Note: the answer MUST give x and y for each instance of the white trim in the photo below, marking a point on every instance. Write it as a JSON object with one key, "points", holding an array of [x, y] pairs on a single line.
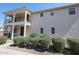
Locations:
{"points": [[25, 20], [13, 26]]}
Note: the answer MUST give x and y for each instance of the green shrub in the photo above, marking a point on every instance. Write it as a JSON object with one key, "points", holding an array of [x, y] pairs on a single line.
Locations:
{"points": [[34, 42], [3, 39], [33, 35], [7, 34], [41, 40], [58, 44], [44, 41], [73, 44], [19, 41], [27, 41]]}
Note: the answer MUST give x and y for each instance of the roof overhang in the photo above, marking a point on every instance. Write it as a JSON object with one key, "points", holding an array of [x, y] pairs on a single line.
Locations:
{"points": [[19, 10]]}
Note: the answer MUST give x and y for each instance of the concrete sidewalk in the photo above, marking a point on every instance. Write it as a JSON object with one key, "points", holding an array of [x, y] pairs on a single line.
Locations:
{"points": [[9, 42], [6, 51]]}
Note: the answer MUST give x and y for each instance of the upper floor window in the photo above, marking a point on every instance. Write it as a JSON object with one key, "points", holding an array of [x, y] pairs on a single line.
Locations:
{"points": [[51, 13], [53, 30], [41, 14], [27, 18], [71, 11], [41, 30]]}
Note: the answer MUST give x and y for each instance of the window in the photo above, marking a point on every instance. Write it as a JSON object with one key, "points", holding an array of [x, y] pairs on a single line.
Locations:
{"points": [[41, 14], [28, 18], [53, 30], [71, 11], [51, 13], [41, 30], [15, 30]]}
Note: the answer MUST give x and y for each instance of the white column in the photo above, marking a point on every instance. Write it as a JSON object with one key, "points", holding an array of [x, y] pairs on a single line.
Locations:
{"points": [[24, 30], [25, 21], [13, 26]]}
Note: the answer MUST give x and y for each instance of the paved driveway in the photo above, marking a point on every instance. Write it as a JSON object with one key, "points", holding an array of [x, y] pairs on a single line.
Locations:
{"points": [[5, 51]]}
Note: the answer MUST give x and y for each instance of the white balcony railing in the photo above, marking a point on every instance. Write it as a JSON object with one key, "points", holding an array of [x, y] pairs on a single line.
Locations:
{"points": [[17, 22]]}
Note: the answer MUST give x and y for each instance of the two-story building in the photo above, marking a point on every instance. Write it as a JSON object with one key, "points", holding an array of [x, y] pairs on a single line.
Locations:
{"points": [[57, 22]]}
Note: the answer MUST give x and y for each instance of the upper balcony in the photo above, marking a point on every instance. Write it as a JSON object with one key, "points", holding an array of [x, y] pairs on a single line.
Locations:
{"points": [[19, 19]]}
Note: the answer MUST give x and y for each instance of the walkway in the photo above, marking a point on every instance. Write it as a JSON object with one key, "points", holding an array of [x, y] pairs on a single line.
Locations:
{"points": [[5, 51]]}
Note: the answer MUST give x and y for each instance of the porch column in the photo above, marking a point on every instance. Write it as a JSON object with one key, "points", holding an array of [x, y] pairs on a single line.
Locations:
{"points": [[13, 26], [25, 21]]}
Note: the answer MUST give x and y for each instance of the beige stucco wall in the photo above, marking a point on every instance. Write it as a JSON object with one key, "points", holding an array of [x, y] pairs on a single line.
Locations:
{"points": [[73, 31], [61, 20]]}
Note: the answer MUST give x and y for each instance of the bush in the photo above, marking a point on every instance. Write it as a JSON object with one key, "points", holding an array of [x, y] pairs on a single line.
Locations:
{"points": [[58, 44], [27, 41], [19, 41], [73, 45], [33, 35], [34, 42], [3, 39], [41, 40], [7, 34], [45, 41]]}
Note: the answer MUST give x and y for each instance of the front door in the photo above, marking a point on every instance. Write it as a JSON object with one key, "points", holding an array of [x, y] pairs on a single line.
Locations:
{"points": [[22, 31]]}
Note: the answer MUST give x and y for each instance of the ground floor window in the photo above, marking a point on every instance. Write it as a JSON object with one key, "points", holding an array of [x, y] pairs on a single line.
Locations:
{"points": [[41, 30], [15, 30], [53, 30]]}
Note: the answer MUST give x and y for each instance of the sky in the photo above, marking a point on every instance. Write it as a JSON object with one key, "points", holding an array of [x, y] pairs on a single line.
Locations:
{"points": [[32, 6]]}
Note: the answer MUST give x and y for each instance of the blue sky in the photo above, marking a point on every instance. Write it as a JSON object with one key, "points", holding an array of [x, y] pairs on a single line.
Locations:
{"points": [[32, 6]]}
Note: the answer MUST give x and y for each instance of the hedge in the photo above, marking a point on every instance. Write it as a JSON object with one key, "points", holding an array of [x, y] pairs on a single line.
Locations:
{"points": [[3, 39], [27, 41], [35, 41], [19, 41], [33, 35], [45, 41], [58, 44], [73, 45], [7, 34]]}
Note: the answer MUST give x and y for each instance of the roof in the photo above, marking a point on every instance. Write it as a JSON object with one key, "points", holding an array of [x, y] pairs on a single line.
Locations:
{"points": [[58, 8], [11, 11]]}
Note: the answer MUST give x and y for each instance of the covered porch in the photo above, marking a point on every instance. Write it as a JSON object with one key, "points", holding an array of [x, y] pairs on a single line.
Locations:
{"points": [[19, 30], [18, 22]]}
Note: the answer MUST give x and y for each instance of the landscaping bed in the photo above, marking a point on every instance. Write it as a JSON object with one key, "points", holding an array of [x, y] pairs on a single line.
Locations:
{"points": [[42, 44], [33, 51], [3, 40]]}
